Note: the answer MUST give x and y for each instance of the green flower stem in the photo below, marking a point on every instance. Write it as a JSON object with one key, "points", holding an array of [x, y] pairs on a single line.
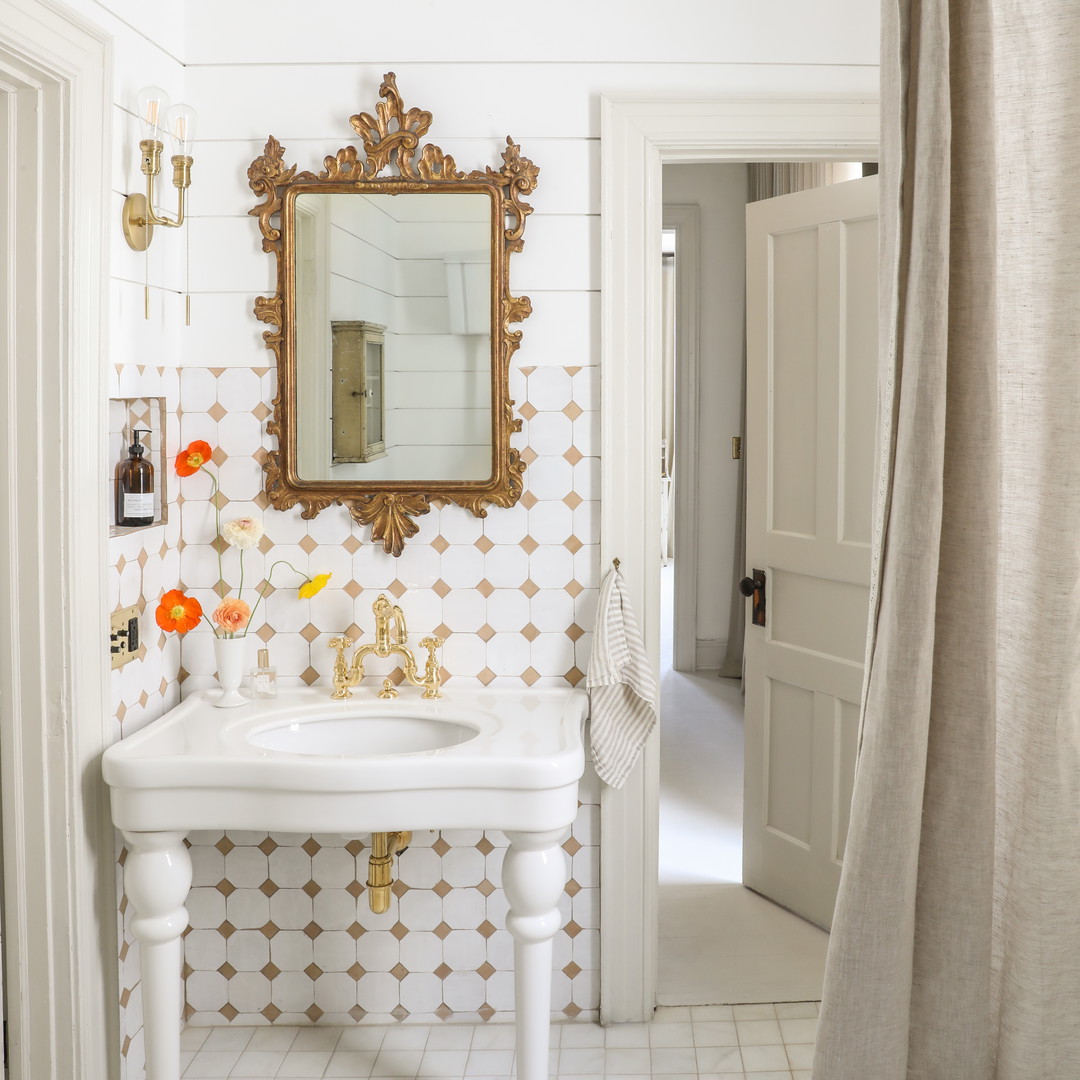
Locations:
{"points": [[217, 531], [266, 585]]}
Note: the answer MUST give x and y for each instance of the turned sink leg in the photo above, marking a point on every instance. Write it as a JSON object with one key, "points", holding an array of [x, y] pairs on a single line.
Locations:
{"points": [[157, 878], [534, 876]]}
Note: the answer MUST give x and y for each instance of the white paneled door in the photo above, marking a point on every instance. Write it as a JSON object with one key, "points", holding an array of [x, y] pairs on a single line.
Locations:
{"points": [[811, 306]]}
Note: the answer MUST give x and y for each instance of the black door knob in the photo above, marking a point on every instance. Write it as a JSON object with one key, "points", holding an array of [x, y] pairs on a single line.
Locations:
{"points": [[747, 586]]}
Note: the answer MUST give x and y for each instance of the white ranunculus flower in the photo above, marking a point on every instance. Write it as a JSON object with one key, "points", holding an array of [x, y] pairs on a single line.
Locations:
{"points": [[244, 532]]}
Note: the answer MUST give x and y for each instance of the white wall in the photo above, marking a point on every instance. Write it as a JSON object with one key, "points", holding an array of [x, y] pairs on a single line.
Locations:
{"points": [[720, 191]]}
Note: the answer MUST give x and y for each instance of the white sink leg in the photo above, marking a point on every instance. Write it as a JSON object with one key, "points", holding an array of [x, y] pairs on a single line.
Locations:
{"points": [[157, 878], [534, 876]]}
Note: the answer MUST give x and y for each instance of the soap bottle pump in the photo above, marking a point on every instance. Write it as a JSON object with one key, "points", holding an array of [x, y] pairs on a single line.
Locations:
{"points": [[135, 485]]}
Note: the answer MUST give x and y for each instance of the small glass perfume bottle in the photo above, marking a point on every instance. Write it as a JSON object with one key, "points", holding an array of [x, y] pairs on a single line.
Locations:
{"points": [[264, 677]]}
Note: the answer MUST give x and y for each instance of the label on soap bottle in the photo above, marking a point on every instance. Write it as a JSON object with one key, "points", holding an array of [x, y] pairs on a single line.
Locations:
{"points": [[139, 505]]}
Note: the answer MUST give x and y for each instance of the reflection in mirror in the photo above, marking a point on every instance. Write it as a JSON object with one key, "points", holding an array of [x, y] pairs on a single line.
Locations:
{"points": [[393, 336]]}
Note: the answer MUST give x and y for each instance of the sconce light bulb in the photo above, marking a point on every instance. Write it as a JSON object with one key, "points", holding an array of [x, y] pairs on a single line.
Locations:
{"points": [[180, 121], [153, 103]]}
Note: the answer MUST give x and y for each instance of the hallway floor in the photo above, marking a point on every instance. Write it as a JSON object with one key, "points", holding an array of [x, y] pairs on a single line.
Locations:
{"points": [[720, 943], [747, 1042]]}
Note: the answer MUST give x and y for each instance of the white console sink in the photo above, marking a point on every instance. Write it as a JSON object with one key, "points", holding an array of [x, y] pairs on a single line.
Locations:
{"points": [[474, 759]]}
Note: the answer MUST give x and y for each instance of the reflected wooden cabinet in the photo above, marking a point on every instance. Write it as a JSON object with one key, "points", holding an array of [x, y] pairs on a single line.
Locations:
{"points": [[358, 421]]}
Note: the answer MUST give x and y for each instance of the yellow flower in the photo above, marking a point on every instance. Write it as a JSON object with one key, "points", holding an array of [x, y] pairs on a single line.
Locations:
{"points": [[312, 586]]}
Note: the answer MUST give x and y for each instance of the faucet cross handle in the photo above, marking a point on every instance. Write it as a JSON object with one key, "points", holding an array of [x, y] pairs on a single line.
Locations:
{"points": [[341, 674], [432, 674]]}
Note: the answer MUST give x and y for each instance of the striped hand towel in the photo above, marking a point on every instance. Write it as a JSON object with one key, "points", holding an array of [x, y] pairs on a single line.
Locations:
{"points": [[622, 690]]}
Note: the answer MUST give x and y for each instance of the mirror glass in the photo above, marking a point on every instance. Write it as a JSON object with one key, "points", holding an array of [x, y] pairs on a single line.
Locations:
{"points": [[393, 336]]}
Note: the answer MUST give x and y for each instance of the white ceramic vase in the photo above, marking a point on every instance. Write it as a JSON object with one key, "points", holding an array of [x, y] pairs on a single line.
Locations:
{"points": [[230, 654]]}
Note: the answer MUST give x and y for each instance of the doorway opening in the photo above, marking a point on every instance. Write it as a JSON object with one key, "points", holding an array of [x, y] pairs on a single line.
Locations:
{"points": [[719, 942]]}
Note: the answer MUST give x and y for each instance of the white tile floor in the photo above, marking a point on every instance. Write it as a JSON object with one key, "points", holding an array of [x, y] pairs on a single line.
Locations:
{"points": [[718, 1042], [719, 942]]}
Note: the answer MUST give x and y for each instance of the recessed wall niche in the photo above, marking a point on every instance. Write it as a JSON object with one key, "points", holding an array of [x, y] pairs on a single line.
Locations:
{"points": [[146, 414]]}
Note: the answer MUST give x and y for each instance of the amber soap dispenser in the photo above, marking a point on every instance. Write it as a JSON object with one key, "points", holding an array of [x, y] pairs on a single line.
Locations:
{"points": [[135, 485]]}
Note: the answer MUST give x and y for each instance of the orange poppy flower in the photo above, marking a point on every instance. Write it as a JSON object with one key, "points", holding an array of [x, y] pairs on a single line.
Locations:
{"points": [[192, 459], [178, 612]]}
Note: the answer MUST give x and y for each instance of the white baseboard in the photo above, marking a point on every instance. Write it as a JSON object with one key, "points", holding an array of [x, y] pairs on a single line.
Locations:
{"points": [[710, 654]]}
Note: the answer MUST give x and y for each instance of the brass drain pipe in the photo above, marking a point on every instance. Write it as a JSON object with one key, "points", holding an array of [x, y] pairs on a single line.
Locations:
{"points": [[384, 846]]}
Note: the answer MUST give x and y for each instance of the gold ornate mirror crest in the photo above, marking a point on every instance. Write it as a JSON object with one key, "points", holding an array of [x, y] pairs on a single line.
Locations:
{"points": [[392, 168]]}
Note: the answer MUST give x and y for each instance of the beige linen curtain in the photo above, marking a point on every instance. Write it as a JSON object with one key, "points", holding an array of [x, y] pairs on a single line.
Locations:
{"points": [[956, 945]]}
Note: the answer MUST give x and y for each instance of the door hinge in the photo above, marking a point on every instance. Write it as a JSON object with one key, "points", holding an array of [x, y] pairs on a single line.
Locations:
{"points": [[736, 446]]}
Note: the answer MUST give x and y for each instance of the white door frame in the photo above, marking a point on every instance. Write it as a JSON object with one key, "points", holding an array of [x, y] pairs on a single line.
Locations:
{"points": [[58, 842], [638, 137]]}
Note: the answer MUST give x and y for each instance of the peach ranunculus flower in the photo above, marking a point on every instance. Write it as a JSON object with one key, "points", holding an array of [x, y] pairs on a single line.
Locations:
{"points": [[242, 532], [231, 615]]}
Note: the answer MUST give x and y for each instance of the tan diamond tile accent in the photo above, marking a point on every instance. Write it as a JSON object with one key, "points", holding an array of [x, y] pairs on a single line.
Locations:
{"points": [[399, 1012], [313, 930], [573, 545], [226, 929], [573, 631], [485, 970], [529, 676], [528, 545], [399, 971], [399, 930], [529, 455], [527, 369], [124, 949], [271, 1012], [440, 544], [399, 888], [313, 971], [397, 588], [126, 1046], [313, 888], [261, 411], [443, 631], [261, 501], [529, 632], [485, 1012], [309, 633], [485, 887], [309, 676], [311, 846], [144, 697], [571, 371], [307, 545], [572, 888], [440, 847], [486, 632], [571, 971], [485, 588], [486, 676], [265, 632], [125, 997], [444, 1012], [485, 929], [265, 546], [484, 845], [188, 1013], [357, 1013], [528, 500], [224, 845], [229, 1011], [352, 590], [121, 711], [351, 544], [268, 846], [573, 455], [527, 411], [217, 413], [121, 562], [354, 889], [572, 1010], [354, 847], [270, 971], [441, 589], [441, 931], [529, 588], [313, 1013], [268, 887], [123, 857], [573, 410], [442, 971], [572, 929], [355, 972], [573, 500], [571, 846], [356, 931], [268, 929], [227, 970], [574, 588], [483, 544], [163, 685], [225, 887]]}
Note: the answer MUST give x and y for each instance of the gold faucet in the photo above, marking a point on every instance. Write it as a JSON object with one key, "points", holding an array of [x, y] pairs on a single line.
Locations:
{"points": [[387, 643]]}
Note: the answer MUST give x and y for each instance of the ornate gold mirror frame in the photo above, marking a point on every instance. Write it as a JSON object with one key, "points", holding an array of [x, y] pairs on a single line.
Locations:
{"points": [[391, 143]]}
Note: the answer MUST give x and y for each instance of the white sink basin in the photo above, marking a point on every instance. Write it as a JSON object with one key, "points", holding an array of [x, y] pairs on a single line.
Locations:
{"points": [[362, 735]]}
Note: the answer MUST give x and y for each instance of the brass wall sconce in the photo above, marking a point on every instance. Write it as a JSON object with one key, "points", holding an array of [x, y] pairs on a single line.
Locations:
{"points": [[159, 118]]}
